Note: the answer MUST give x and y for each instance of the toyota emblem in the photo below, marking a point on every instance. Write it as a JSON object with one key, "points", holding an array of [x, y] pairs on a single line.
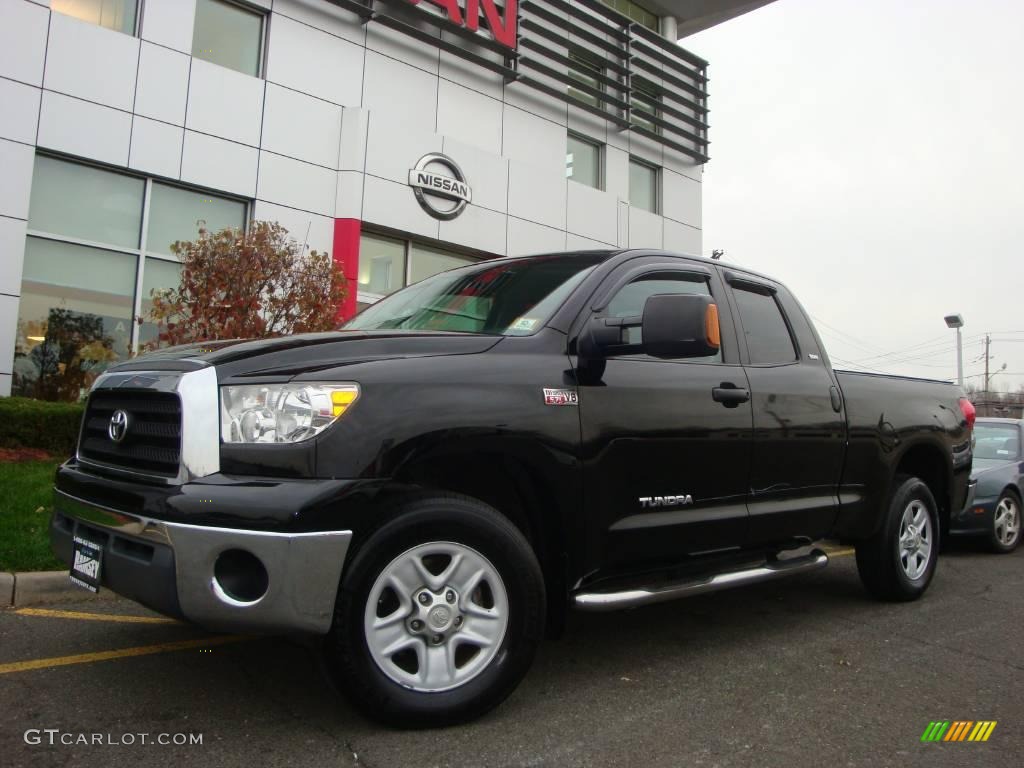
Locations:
{"points": [[118, 426]]}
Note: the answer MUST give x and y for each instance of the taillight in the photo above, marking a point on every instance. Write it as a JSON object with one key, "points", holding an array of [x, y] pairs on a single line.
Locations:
{"points": [[967, 409]]}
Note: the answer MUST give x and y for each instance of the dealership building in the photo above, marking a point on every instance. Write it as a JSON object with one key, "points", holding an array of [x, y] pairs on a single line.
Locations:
{"points": [[403, 137]]}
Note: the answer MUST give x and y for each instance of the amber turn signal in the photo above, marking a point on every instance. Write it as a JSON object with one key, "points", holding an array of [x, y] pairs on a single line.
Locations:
{"points": [[711, 330]]}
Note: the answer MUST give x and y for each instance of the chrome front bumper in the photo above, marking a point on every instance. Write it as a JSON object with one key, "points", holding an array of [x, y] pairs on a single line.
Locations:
{"points": [[173, 568]]}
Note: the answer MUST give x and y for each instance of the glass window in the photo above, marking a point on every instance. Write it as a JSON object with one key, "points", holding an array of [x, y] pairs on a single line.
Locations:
{"points": [[630, 300], [425, 262], [381, 264], [634, 12], [643, 186], [645, 98], [74, 317], [229, 35], [768, 339], [157, 275], [175, 214], [506, 297], [996, 441], [119, 15], [86, 203], [583, 161], [586, 66]]}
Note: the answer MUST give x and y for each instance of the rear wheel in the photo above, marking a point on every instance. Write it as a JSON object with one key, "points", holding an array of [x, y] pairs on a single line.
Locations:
{"points": [[438, 616], [897, 563], [1006, 522]]}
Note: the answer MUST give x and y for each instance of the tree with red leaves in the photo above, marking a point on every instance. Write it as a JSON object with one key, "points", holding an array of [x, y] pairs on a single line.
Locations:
{"points": [[253, 284]]}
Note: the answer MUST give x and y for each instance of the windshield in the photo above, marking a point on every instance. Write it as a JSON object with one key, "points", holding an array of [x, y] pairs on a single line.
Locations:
{"points": [[996, 441], [510, 298]]}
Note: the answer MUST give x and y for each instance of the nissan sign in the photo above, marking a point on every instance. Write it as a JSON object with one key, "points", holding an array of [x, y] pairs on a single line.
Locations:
{"points": [[502, 23], [442, 195]]}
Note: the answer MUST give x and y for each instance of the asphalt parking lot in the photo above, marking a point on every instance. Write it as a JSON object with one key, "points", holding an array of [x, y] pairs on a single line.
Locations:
{"points": [[801, 672]]}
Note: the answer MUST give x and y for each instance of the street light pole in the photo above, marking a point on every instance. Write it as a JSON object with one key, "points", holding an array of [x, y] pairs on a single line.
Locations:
{"points": [[957, 321]]}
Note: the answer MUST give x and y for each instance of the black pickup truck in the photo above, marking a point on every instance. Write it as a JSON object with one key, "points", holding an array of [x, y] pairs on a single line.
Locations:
{"points": [[432, 487]]}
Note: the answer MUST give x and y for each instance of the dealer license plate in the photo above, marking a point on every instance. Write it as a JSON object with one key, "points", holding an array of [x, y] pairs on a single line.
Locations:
{"points": [[86, 563]]}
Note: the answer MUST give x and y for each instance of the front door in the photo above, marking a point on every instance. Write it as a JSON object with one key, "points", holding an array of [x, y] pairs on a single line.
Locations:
{"points": [[666, 466]]}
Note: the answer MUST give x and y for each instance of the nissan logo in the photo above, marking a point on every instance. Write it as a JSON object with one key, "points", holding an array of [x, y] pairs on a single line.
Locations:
{"points": [[441, 195], [118, 426]]}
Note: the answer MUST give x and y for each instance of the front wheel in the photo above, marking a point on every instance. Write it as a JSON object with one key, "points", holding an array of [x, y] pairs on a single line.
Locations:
{"points": [[438, 616], [1005, 533], [897, 563]]}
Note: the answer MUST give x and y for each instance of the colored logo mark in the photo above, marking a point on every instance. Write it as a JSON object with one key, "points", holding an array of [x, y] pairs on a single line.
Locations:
{"points": [[959, 730]]}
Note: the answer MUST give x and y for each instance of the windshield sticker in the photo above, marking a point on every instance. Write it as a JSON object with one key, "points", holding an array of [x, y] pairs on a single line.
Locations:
{"points": [[561, 397], [525, 324]]}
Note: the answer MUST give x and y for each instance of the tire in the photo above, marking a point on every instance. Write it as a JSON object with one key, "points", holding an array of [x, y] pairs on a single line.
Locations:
{"points": [[1004, 535], [466, 640], [890, 570]]}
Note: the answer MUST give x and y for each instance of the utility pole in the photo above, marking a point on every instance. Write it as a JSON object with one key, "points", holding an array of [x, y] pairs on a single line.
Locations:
{"points": [[988, 341]]}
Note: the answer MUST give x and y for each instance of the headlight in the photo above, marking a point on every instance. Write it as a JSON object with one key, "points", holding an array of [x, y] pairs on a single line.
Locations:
{"points": [[281, 413]]}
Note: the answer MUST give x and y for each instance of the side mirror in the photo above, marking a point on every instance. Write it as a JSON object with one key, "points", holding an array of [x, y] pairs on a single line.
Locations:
{"points": [[678, 325]]}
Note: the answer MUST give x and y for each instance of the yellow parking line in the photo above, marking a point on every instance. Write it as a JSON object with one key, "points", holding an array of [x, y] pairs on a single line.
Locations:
{"points": [[53, 614], [840, 552], [142, 650]]}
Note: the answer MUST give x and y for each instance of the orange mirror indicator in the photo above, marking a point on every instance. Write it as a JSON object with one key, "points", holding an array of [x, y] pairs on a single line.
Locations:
{"points": [[711, 329]]}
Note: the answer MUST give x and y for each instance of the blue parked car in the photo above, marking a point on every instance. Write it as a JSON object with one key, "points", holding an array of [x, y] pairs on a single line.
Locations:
{"points": [[997, 480]]}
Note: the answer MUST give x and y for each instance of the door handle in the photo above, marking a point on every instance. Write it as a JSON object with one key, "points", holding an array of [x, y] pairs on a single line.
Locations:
{"points": [[837, 400], [730, 395]]}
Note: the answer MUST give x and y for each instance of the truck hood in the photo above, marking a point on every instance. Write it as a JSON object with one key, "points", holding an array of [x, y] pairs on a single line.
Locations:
{"points": [[292, 355]]}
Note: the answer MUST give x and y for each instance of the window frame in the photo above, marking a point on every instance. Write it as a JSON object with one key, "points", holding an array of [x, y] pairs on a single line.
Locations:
{"points": [[600, 147], [590, 61], [656, 169], [649, 92], [141, 253], [261, 58]]}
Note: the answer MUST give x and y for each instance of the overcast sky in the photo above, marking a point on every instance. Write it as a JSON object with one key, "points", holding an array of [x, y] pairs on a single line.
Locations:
{"points": [[870, 155]]}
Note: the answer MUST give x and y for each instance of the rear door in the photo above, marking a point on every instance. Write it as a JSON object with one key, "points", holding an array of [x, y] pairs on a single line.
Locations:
{"points": [[799, 425], [666, 466]]}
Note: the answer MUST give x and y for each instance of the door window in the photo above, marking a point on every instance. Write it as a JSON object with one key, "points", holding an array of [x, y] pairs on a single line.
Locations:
{"points": [[768, 339], [630, 300]]}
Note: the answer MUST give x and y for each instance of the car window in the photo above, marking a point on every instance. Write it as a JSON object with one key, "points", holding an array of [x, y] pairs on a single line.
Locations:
{"points": [[996, 441], [629, 301], [768, 339]]}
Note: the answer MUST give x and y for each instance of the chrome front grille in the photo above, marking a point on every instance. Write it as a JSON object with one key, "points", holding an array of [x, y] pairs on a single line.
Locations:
{"points": [[152, 439]]}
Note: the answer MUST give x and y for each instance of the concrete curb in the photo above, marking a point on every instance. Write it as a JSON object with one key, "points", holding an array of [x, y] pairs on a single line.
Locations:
{"points": [[18, 590]]}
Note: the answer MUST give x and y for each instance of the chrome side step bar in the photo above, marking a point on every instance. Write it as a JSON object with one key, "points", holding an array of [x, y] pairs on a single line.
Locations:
{"points": [[611, 601]]}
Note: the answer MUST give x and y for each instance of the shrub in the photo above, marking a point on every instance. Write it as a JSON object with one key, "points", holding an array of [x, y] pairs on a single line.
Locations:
{"points": [[49, 426]]}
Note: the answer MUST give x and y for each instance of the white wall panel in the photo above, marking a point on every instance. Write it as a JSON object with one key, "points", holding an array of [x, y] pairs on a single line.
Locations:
{"points": [[469, 75], [296, 184], [84, 129], [169, 22], [19, 113], [23, 40], [616, 172], [156, 147], [12, 253], [400, 93], [162, 89], [91, 62], [397, 45], [324, 16], [476, 228], [354, 128], [577, 243], [526, 237], [533, 140], [537, 103], [314, 62], [486, 173], [219, 164], [683, 238], [537, 193], [348, 203], [5, 385], [468, 116], [392, 147], [645, 229], [224, 103], [16, 179], [681, 198], [298, 223], [591, 212], [390, 204], [301, 126]]}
